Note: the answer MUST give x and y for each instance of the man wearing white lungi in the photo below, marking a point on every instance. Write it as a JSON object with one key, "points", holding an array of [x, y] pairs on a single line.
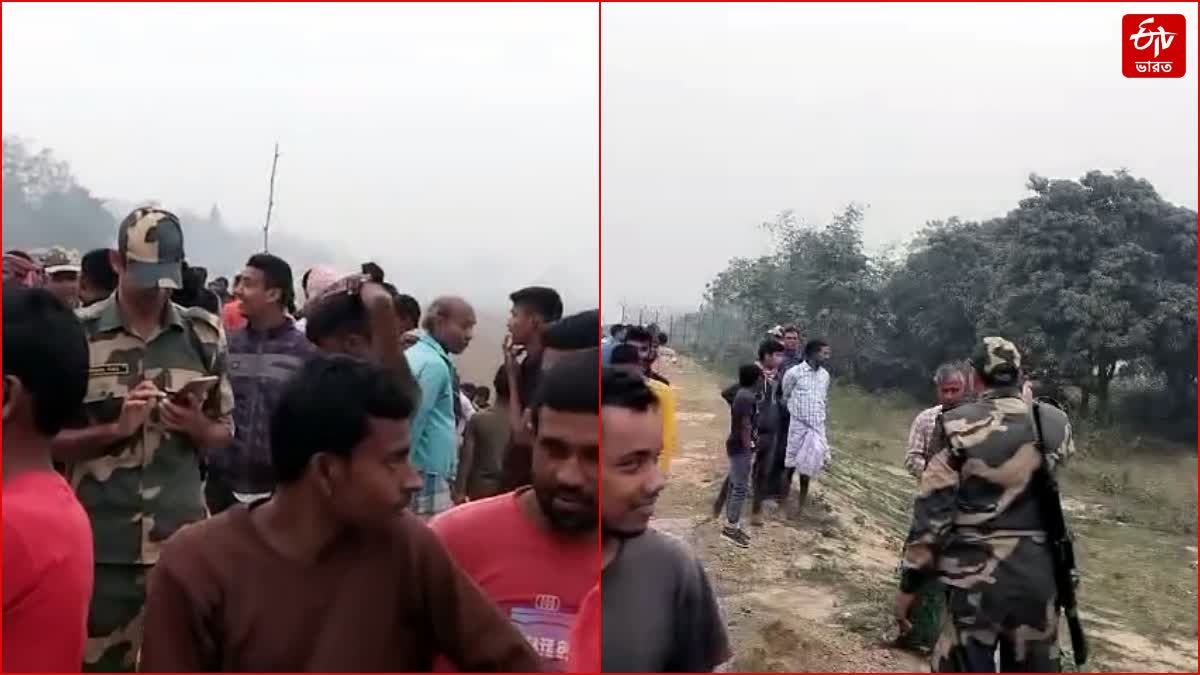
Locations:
{"points": [[806, 390]]}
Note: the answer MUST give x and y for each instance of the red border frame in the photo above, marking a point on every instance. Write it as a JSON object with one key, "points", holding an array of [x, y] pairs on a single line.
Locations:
{"points": [[599, 185]]}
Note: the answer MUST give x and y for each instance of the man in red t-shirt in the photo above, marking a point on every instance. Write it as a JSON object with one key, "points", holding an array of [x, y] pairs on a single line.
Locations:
{"points": [[47, 558], [536, 551], [585, 636]]}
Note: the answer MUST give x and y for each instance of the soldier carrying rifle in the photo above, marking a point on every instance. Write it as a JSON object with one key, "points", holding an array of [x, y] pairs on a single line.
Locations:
{"points": [[984, 525]]}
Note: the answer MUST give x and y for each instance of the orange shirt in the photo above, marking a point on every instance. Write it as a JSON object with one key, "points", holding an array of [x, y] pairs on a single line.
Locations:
{"points": [[232, 317]]}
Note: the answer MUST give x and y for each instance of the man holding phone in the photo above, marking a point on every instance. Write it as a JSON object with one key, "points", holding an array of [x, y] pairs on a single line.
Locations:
{"points": [[158, 398]]}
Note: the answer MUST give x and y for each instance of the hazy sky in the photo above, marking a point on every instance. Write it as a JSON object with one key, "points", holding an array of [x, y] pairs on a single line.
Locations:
{"points": [[718, 116], [457, 135]]}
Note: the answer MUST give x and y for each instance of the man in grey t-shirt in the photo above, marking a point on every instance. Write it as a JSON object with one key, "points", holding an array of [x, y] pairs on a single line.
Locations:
{"points": [[659, 611]]}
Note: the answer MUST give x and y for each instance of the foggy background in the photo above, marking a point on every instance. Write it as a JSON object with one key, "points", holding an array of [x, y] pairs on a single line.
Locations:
{"points": [[717, 117], [454, 144]]}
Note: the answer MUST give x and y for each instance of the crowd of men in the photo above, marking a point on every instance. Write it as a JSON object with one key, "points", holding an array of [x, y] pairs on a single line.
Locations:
{"points": [[213, 477], [778, 430]]}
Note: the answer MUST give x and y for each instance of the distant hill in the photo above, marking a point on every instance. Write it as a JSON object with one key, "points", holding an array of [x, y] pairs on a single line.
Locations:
{"points": [[44, 205]]}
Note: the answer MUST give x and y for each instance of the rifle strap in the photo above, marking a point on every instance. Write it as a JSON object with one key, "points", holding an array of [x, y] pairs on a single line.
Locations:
{"points": [[1039, 440]]}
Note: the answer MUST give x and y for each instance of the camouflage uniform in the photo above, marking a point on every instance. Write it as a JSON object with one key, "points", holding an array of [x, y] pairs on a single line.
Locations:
{"points": [[977, 526], [149, 486]]}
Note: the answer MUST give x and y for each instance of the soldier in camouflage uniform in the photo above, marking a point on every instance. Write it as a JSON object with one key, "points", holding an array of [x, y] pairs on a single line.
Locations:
{"points": [[977, 527], [136, 464], [61, 269]]}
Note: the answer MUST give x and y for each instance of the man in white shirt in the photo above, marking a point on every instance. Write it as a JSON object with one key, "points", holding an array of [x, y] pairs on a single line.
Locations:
{"points": [[806, 391]]}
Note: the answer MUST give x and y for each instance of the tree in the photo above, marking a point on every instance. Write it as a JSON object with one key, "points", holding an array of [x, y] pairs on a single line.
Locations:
{"points": [[44, 205], [1081, 275], [1092, 278]]}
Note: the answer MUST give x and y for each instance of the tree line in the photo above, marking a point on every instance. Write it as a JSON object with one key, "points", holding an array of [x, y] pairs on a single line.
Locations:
{"points": [[1095, 279], [46, 205]]}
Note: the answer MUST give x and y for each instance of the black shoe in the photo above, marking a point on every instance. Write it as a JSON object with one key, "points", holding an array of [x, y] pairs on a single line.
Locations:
{"points": [[735, 536]]}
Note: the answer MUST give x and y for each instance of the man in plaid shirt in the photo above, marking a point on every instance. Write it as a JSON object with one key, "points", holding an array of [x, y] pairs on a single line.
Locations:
{"points": [[806, 393], [951, 385], [950, 380]]}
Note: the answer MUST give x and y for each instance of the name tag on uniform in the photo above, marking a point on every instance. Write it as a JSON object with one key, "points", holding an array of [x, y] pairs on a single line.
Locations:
{"points": [[108, 370]]}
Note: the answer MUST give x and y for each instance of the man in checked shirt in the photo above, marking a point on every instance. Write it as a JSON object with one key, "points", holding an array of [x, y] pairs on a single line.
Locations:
{"points": [[950, 380], [951, 387]]}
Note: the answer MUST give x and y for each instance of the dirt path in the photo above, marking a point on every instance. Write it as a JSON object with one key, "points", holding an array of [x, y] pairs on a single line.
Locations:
{"points": [[783, 600], [816, 594]]}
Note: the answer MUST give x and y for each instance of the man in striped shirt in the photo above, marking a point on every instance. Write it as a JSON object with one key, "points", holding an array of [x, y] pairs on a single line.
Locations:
{"points": [[263, 356], [951, 385]]}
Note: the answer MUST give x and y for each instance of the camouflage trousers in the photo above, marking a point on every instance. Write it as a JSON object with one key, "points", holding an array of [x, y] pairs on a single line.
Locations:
{"points": [[114, 631], [977, 624]]}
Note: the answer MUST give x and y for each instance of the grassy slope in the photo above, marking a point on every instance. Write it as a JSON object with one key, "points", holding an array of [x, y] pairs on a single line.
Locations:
{"points": [[1134, 520], [1135, 523]]}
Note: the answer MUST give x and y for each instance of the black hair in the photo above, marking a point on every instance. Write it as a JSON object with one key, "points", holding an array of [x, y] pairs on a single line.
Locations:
{"points": [[500, 384], [625, 355], [622, 389], [221, 280], [276, 274], [768, 347], [326, 407], [638, 334], [20, 254], [304, 280], [97, 268], [46, 349], [374, 271], [575, 332], [468, 389], [542, 300], [615, 329], [662, 338], [814, 346], [341, 314], [195, 292], [570, 385], [407, 307], [749, 374], [199, 273], [791, 329], [483, 391]]}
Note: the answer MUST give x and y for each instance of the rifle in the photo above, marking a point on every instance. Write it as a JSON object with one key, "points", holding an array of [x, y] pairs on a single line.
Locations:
{"points": [[1058, 537]]}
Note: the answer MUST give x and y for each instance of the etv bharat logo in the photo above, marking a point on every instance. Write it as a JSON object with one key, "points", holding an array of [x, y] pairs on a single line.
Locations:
{"points": [[1154, 45]]}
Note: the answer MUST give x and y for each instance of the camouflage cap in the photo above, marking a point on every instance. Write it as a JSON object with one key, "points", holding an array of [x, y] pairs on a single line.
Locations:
{"points": [[59, 259], [151, 242], [997, 358]]}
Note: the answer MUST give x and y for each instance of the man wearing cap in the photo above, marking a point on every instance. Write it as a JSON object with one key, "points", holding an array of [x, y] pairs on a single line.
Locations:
{"points": [[61, 268], [20, 270], [136, 463], [977, 528]]}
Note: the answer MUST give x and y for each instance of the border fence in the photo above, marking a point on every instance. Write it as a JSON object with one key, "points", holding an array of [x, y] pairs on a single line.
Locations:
{"points": [[722, 339]]}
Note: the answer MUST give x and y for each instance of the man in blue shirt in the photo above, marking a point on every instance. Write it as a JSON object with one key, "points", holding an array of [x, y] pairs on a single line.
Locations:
{"points": [[616, 335], [448, 325]]}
